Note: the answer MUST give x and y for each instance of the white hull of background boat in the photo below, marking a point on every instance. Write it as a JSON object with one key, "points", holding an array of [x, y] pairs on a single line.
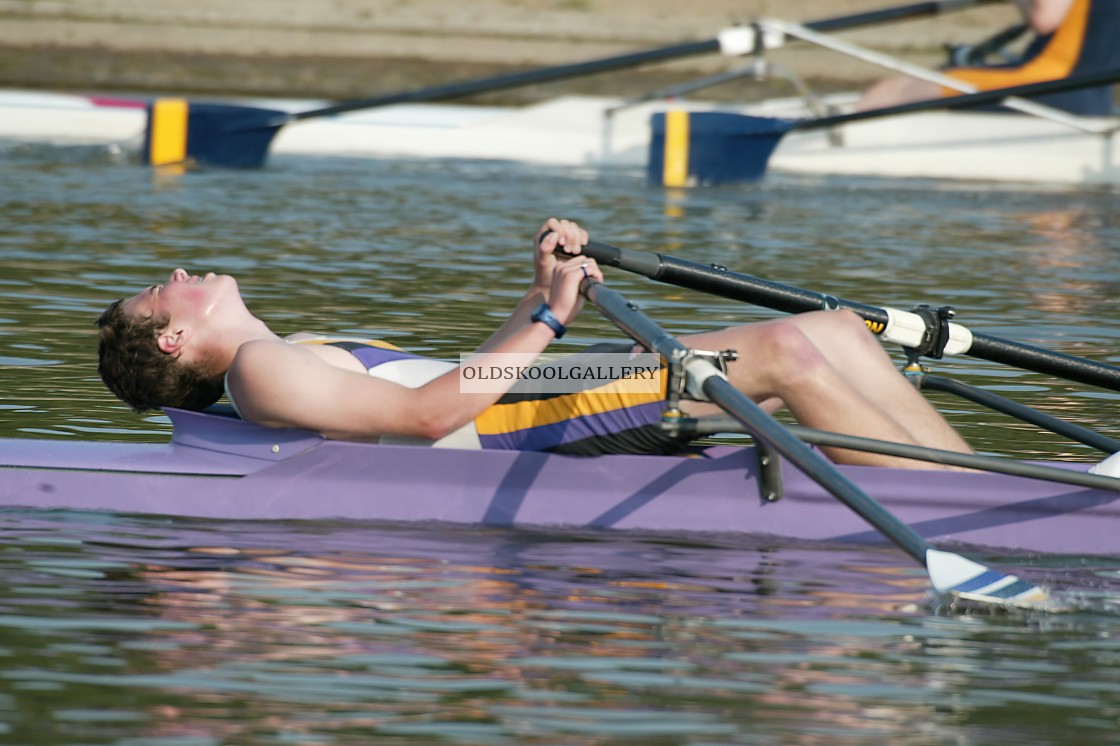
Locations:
{"points": [[572, 131]]}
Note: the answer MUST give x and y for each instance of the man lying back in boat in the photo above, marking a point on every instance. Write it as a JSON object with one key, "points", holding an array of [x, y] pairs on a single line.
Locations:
{"points": [[1072, 37], [185, 341]]}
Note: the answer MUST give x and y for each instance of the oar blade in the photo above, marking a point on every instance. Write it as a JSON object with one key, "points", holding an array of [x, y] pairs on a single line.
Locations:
{"points": [[707, 148], [966, 580], [216, 135]]}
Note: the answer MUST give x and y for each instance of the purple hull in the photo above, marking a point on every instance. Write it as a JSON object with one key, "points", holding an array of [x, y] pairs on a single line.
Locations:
{"points": [[217, 467]]}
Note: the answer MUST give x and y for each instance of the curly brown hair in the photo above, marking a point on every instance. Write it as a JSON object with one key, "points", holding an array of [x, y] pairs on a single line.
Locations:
{"points": [[142, 375]]}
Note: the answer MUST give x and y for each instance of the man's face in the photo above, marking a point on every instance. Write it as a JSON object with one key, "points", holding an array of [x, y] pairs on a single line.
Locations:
{"points": [[186, 299]]}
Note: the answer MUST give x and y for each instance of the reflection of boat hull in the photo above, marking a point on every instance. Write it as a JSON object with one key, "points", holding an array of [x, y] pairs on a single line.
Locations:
{"points": [[572, 131], [218, 467]]}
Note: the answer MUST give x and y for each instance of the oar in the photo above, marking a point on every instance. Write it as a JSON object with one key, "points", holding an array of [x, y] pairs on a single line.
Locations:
{"points": [[756, 138], [997, 464], [239, 136], [902, 327], [950, 573]]}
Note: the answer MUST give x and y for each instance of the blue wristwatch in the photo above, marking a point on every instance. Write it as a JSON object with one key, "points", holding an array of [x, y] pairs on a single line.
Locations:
{"points": [[544, 315]]}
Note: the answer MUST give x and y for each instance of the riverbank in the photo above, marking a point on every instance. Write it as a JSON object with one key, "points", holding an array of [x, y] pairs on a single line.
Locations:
{"points": [[354, 48]]}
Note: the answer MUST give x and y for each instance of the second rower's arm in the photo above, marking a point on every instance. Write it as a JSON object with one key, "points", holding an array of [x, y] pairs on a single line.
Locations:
{"points": [[1044, 16]]}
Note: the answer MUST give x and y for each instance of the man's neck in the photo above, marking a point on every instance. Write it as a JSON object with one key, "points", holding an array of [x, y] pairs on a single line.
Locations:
{"points": [[225, 348]]}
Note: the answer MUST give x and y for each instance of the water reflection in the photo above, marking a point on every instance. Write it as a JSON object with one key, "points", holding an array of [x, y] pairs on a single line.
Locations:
{"points": [[235, 631]]}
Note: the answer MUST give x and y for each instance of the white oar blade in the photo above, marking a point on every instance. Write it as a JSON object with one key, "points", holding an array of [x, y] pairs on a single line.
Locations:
{"points": [[962, 578]]}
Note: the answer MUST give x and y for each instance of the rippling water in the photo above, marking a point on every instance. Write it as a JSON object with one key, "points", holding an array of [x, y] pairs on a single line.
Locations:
{"points": [[118, 630]]}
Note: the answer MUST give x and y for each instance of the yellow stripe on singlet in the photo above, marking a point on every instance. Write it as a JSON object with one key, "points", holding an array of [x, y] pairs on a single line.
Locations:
{"points": [[1056, 61], [522, 415]]}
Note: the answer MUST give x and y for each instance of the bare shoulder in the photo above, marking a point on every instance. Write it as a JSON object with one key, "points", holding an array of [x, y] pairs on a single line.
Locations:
{"points": [[262, 354], [266, 372], [253, 355], [289, 385]]}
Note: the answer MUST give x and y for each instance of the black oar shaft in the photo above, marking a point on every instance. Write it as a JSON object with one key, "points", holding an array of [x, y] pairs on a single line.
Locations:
{"points": [[761, 425], [1022, 412], [723, 282], [898, 13], [506, 81], [996, 464], [1041, 360], [717, 280], [538, 76]]}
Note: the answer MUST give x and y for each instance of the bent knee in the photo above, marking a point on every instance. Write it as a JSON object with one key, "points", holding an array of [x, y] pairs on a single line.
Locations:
{"points": [[852, 328], [790, 353]]}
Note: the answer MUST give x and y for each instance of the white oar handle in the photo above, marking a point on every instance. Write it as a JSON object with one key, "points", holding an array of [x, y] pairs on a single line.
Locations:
{"points": [[908, 329], [739, 41]]}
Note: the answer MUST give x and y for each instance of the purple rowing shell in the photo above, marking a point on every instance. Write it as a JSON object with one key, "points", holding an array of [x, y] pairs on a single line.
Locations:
{"points": [[217, 467]]}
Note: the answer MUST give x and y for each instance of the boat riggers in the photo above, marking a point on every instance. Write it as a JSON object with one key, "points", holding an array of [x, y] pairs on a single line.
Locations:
{"points": [[222, 135], [955, 576]]}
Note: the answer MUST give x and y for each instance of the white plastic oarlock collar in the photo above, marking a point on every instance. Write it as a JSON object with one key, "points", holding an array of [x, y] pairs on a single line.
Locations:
{"points": [[697, 371], [907, 329], [739, 41]]}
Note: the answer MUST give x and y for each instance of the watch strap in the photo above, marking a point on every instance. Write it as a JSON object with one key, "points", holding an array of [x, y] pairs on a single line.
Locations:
{"points": [[544, 315]]}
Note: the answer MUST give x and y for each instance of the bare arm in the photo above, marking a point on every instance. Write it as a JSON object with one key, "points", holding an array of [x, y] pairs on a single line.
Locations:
{"points": [[1044, 16], [281, 385]]}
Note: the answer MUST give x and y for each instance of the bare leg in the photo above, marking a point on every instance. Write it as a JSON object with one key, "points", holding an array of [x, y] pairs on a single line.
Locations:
{"points": [[833, 375]]}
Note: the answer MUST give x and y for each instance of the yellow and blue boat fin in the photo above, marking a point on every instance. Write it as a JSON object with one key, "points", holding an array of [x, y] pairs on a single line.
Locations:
{"points": [[702, 148], [223, 135]]}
